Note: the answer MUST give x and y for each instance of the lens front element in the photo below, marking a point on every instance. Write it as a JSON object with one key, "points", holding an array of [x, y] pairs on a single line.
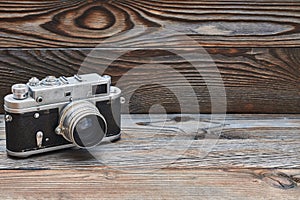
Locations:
{"points": [[83, 124], [88, 131]]}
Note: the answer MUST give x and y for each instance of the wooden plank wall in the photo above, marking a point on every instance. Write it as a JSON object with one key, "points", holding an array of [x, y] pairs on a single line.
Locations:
{"points": [[254, 43]]}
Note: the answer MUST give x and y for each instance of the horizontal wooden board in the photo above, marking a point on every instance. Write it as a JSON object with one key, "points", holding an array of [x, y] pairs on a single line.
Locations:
{"points": [[55, 23], [255, 157], [101, 183], [155, 142], [256, 80]]}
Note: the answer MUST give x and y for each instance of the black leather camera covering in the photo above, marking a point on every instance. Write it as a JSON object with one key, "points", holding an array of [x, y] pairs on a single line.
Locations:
{"points": [[111, 111], [21, 131]]}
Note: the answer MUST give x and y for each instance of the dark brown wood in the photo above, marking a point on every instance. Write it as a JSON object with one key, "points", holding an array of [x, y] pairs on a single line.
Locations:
{"points": [[256, 157], [55, 23], [257, 80]]}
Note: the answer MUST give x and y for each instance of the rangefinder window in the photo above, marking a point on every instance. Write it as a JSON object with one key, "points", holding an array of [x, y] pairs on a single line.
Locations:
{"points": [[68, 94], [99, 89]]}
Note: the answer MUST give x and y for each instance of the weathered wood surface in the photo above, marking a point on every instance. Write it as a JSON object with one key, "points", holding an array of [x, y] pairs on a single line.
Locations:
{"points": [[256, 80], [101, 183], [78, 23], [255, 157], [244, 141]]}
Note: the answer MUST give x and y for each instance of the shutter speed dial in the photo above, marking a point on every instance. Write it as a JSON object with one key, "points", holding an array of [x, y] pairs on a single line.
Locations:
{"points": [[50, 81]]}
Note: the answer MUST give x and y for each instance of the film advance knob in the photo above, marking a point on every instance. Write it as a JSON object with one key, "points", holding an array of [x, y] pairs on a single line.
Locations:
{"points": [[20, 91]]}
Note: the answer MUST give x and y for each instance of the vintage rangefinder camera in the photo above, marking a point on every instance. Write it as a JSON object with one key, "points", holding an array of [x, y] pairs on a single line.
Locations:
{"points": [[57, 113]]}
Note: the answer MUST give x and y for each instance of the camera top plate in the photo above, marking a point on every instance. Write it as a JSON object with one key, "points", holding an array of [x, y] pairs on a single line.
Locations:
{"points": [[54, 92]]}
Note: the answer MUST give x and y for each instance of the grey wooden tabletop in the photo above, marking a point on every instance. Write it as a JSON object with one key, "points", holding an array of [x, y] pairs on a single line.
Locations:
{"points": [[169, 157]]}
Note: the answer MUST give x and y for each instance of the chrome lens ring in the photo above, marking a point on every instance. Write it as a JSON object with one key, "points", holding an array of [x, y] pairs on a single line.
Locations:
{"points": [[83, 111]]}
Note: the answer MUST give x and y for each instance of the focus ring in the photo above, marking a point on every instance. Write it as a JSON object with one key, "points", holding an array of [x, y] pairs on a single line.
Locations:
{"points": [[73, 113]]}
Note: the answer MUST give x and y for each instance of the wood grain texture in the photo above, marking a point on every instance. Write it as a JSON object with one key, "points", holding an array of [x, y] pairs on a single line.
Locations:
{"points": [[151, 143], [256, 157], [254, 44], [101, 183], [78, 23], [256, 80]]}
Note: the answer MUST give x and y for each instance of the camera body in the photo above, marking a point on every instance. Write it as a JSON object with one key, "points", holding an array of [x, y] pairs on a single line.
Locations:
{"points": [[57, 113]]}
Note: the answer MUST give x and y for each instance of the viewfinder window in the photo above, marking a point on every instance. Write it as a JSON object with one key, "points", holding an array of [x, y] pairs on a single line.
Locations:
{"points": [[99, 89]]}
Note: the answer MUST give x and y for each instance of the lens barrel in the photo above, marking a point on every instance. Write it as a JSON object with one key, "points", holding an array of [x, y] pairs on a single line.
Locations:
{"points": [[83, 124]]}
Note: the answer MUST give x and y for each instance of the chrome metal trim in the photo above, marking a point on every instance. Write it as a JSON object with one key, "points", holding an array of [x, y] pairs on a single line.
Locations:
{"points": [[8, 108], [64, 80], [54, 95], [34, 152], [78, 77]]}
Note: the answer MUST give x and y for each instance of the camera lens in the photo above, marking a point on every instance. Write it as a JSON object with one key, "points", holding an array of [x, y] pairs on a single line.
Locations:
{"points": [[89, 131], [83, 124]]}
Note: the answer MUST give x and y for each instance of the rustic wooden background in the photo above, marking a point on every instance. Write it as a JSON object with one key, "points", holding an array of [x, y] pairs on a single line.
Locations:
{"points": [[255, 45]]}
